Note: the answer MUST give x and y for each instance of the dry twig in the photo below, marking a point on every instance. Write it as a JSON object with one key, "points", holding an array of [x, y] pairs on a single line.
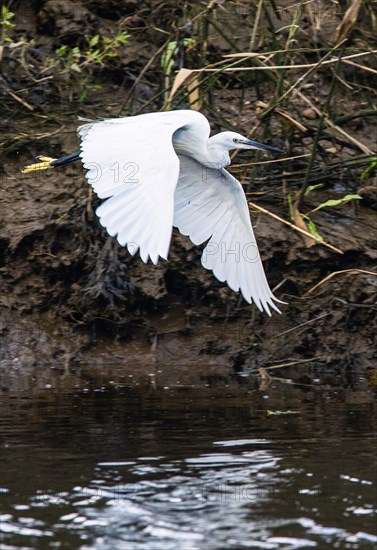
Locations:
{"points": [[282, 220], [363, 271]]}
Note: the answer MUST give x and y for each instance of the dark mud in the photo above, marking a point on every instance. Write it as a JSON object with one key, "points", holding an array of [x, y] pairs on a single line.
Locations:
{"points": [[70, 294]]}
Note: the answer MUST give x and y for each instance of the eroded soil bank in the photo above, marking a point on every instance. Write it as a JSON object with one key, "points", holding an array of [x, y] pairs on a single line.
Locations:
{"points": [[71, 295]]}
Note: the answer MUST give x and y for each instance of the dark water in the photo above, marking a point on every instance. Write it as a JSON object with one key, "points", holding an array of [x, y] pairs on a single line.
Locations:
{"points": [[212, 465]]}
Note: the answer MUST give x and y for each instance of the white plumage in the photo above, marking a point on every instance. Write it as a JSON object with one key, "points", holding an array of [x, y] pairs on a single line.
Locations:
{"points": [[162, 170]]}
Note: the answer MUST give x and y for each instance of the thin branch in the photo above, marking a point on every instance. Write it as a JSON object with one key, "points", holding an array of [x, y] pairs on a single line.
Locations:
{"points": [[363, 271], [299, 66], [294, 227], [302, 325], [330, 123]]}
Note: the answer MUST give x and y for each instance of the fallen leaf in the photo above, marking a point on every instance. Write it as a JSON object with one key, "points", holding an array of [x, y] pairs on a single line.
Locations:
{"points": [[180, 78], [349, 19], [298, 220]]}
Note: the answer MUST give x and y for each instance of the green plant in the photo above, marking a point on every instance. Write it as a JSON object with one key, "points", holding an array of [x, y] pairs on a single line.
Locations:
{"points": [[330, 203], [372, 167], [6, 24], [97, 52], [80, 62]]}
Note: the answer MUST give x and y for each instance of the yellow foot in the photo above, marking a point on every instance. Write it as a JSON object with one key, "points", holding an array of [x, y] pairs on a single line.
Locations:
{"points": [[43, 164]]}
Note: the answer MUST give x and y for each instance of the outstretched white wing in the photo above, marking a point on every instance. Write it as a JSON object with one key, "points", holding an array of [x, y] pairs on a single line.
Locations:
{"points": [[132, 163], [209, 203]]}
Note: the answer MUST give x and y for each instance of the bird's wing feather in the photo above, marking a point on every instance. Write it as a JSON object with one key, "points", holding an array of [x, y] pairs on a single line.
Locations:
{"points": [[131, 162], [210, 205]]}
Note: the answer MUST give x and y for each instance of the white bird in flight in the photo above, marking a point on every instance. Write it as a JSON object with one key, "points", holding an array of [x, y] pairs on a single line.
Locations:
{"points": [[162, 170]]}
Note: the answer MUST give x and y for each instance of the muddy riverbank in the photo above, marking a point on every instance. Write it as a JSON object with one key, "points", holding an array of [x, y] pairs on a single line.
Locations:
{"points": [[70, 292]]}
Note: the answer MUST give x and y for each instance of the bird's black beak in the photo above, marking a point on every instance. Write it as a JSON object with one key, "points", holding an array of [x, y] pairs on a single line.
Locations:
{"points": [[256, 145]]}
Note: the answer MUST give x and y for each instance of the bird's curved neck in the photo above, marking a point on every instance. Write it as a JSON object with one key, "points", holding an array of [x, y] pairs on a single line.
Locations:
{"points": [[218, 153], [212, 154], [207, 151]]}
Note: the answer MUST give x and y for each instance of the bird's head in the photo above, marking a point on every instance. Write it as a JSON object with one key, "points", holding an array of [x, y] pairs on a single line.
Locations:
{"points": [[233, 140]]}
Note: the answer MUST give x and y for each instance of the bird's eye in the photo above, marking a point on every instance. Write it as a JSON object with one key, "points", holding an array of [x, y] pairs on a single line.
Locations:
{"points": [[235, 140]]}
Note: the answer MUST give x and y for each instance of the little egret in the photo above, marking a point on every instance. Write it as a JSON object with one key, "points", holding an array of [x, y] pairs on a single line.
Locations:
{"points": [[161, 170]]}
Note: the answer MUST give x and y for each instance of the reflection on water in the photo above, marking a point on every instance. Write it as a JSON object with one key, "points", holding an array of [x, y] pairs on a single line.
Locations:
{"points": [[207, 466]]}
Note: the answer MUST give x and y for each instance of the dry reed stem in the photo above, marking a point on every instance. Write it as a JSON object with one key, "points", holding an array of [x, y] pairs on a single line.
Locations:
{"points": [[340, 273], [272, 67], [285, 114], [362, 67], [292, 363], [302, 324], [293, 226], [330, 123]]}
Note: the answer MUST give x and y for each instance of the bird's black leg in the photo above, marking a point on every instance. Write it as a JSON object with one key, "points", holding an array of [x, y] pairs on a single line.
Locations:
{"points": [[66, 160], [45, 163]]}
